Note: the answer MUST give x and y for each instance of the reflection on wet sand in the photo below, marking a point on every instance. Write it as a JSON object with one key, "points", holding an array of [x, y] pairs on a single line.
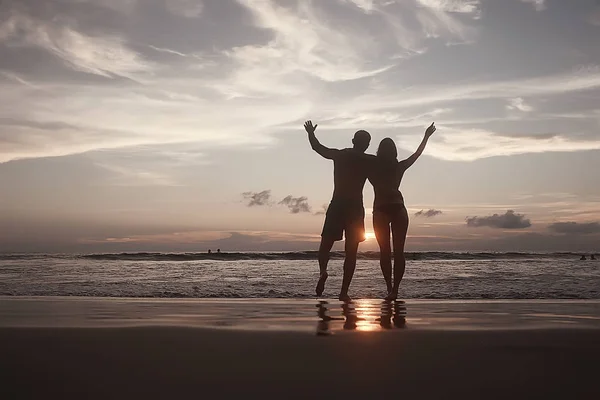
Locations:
{"points": [[360, 315]]}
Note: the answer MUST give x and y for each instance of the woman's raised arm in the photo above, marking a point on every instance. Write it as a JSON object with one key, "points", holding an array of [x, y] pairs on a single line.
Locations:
{"points": [[405, 164]]}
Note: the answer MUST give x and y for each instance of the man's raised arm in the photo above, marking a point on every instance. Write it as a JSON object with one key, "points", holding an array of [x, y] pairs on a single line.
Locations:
{"points": [[411, 160], [315, 144]]}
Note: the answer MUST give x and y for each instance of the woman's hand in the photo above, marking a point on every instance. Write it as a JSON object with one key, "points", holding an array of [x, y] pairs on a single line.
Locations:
{"points": [[430, 130]]}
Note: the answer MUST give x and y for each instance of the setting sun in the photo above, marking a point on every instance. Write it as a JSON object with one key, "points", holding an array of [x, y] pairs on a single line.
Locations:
{"points": [[369, 235]]}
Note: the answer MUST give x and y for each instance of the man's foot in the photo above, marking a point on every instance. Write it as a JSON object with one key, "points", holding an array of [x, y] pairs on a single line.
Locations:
{"points": [[321, 283], [393, 295], [344, 297]]}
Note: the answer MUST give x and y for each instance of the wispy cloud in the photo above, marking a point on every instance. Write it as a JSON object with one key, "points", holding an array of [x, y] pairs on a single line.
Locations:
{"points": [[509, 220], [303, 42], [30, 138], [453, 6], [367, 6], [128, 176], [306, 42], [471, 144], [580, 79], [519, 104], [100, 55], [168, 51], [16, 78]]}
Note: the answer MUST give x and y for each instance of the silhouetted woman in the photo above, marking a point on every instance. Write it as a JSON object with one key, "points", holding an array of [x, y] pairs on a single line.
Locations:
{"points": [[389, 212]]}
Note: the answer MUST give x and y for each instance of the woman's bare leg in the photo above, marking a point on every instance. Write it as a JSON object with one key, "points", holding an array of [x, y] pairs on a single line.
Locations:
{"points": [[399, 231], [381, 226]]}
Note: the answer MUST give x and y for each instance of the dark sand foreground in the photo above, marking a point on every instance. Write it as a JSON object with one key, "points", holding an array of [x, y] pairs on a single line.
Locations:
{"points": [[556, 358]]}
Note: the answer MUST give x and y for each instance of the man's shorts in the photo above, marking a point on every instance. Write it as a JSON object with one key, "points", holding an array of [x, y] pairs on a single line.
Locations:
{"points": [[345, 217]]}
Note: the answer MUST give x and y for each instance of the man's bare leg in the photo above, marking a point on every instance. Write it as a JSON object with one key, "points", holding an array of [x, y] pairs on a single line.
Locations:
{"points": [[324, 250], [349, 267]]}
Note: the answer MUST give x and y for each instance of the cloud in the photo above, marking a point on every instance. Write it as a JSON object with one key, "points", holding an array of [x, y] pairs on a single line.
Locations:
{"points": [[185, 8], [105, 56], [296, 204], [518, 104], [16, 78], [131, 177], [453, 6], [432, 19], [304, 42], [510, 220], [579, 79], [368, 6], [454, 144], [258, 198], [30, 138], [539, 5], [147, 165], [308, 42], [575, 228], [252, 82], [428, 214]]}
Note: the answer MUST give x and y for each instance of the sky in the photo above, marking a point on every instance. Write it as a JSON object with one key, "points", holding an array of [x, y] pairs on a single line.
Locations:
{"points": [[176, 125]]}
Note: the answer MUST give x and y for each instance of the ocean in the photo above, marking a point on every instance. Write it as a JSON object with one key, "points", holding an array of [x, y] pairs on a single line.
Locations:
{"points": [[433, 275]]}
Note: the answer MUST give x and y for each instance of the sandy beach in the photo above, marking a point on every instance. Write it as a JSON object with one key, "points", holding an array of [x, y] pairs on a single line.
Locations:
{"points": [[136, 348]]}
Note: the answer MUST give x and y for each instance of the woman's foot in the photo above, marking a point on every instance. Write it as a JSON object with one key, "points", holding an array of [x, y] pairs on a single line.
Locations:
{"points": [[344, 297], [392, 295], [321, 283]]}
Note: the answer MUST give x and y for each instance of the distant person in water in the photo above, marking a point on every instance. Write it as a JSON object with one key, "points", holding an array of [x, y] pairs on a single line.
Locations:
{"points": [[346, 213], [582, 258], [592, 257], [389, 212]]}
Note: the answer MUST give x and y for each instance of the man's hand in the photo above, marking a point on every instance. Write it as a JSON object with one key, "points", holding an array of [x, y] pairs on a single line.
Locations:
{"points": [[429, 130], [308, 125]]}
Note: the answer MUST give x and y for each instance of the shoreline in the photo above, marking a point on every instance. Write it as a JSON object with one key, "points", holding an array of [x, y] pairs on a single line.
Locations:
{"points": [[300, 315], [113, 348]]}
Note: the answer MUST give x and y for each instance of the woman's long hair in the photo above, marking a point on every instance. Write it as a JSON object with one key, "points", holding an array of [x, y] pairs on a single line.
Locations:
{"points": [[387, 150]]}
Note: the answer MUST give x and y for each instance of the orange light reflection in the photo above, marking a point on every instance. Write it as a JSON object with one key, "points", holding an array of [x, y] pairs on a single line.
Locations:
{"points": [[367, 315]]}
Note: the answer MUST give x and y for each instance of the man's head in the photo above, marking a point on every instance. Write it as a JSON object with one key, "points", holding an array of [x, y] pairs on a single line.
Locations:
{"points": [[361, 140]]}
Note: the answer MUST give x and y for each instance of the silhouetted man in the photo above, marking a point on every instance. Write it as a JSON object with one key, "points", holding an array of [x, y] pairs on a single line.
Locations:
{"points": [[346, 213]]}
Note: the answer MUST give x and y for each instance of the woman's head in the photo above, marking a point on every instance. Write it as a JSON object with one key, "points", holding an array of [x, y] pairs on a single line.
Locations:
{"points": [[387, 150]]}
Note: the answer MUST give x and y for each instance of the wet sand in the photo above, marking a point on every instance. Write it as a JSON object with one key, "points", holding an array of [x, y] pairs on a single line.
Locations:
{"points": [[107, 348]]}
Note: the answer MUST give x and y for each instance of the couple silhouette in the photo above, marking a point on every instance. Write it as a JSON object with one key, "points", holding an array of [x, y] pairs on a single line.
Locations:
{"points": [[345, 215]]}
